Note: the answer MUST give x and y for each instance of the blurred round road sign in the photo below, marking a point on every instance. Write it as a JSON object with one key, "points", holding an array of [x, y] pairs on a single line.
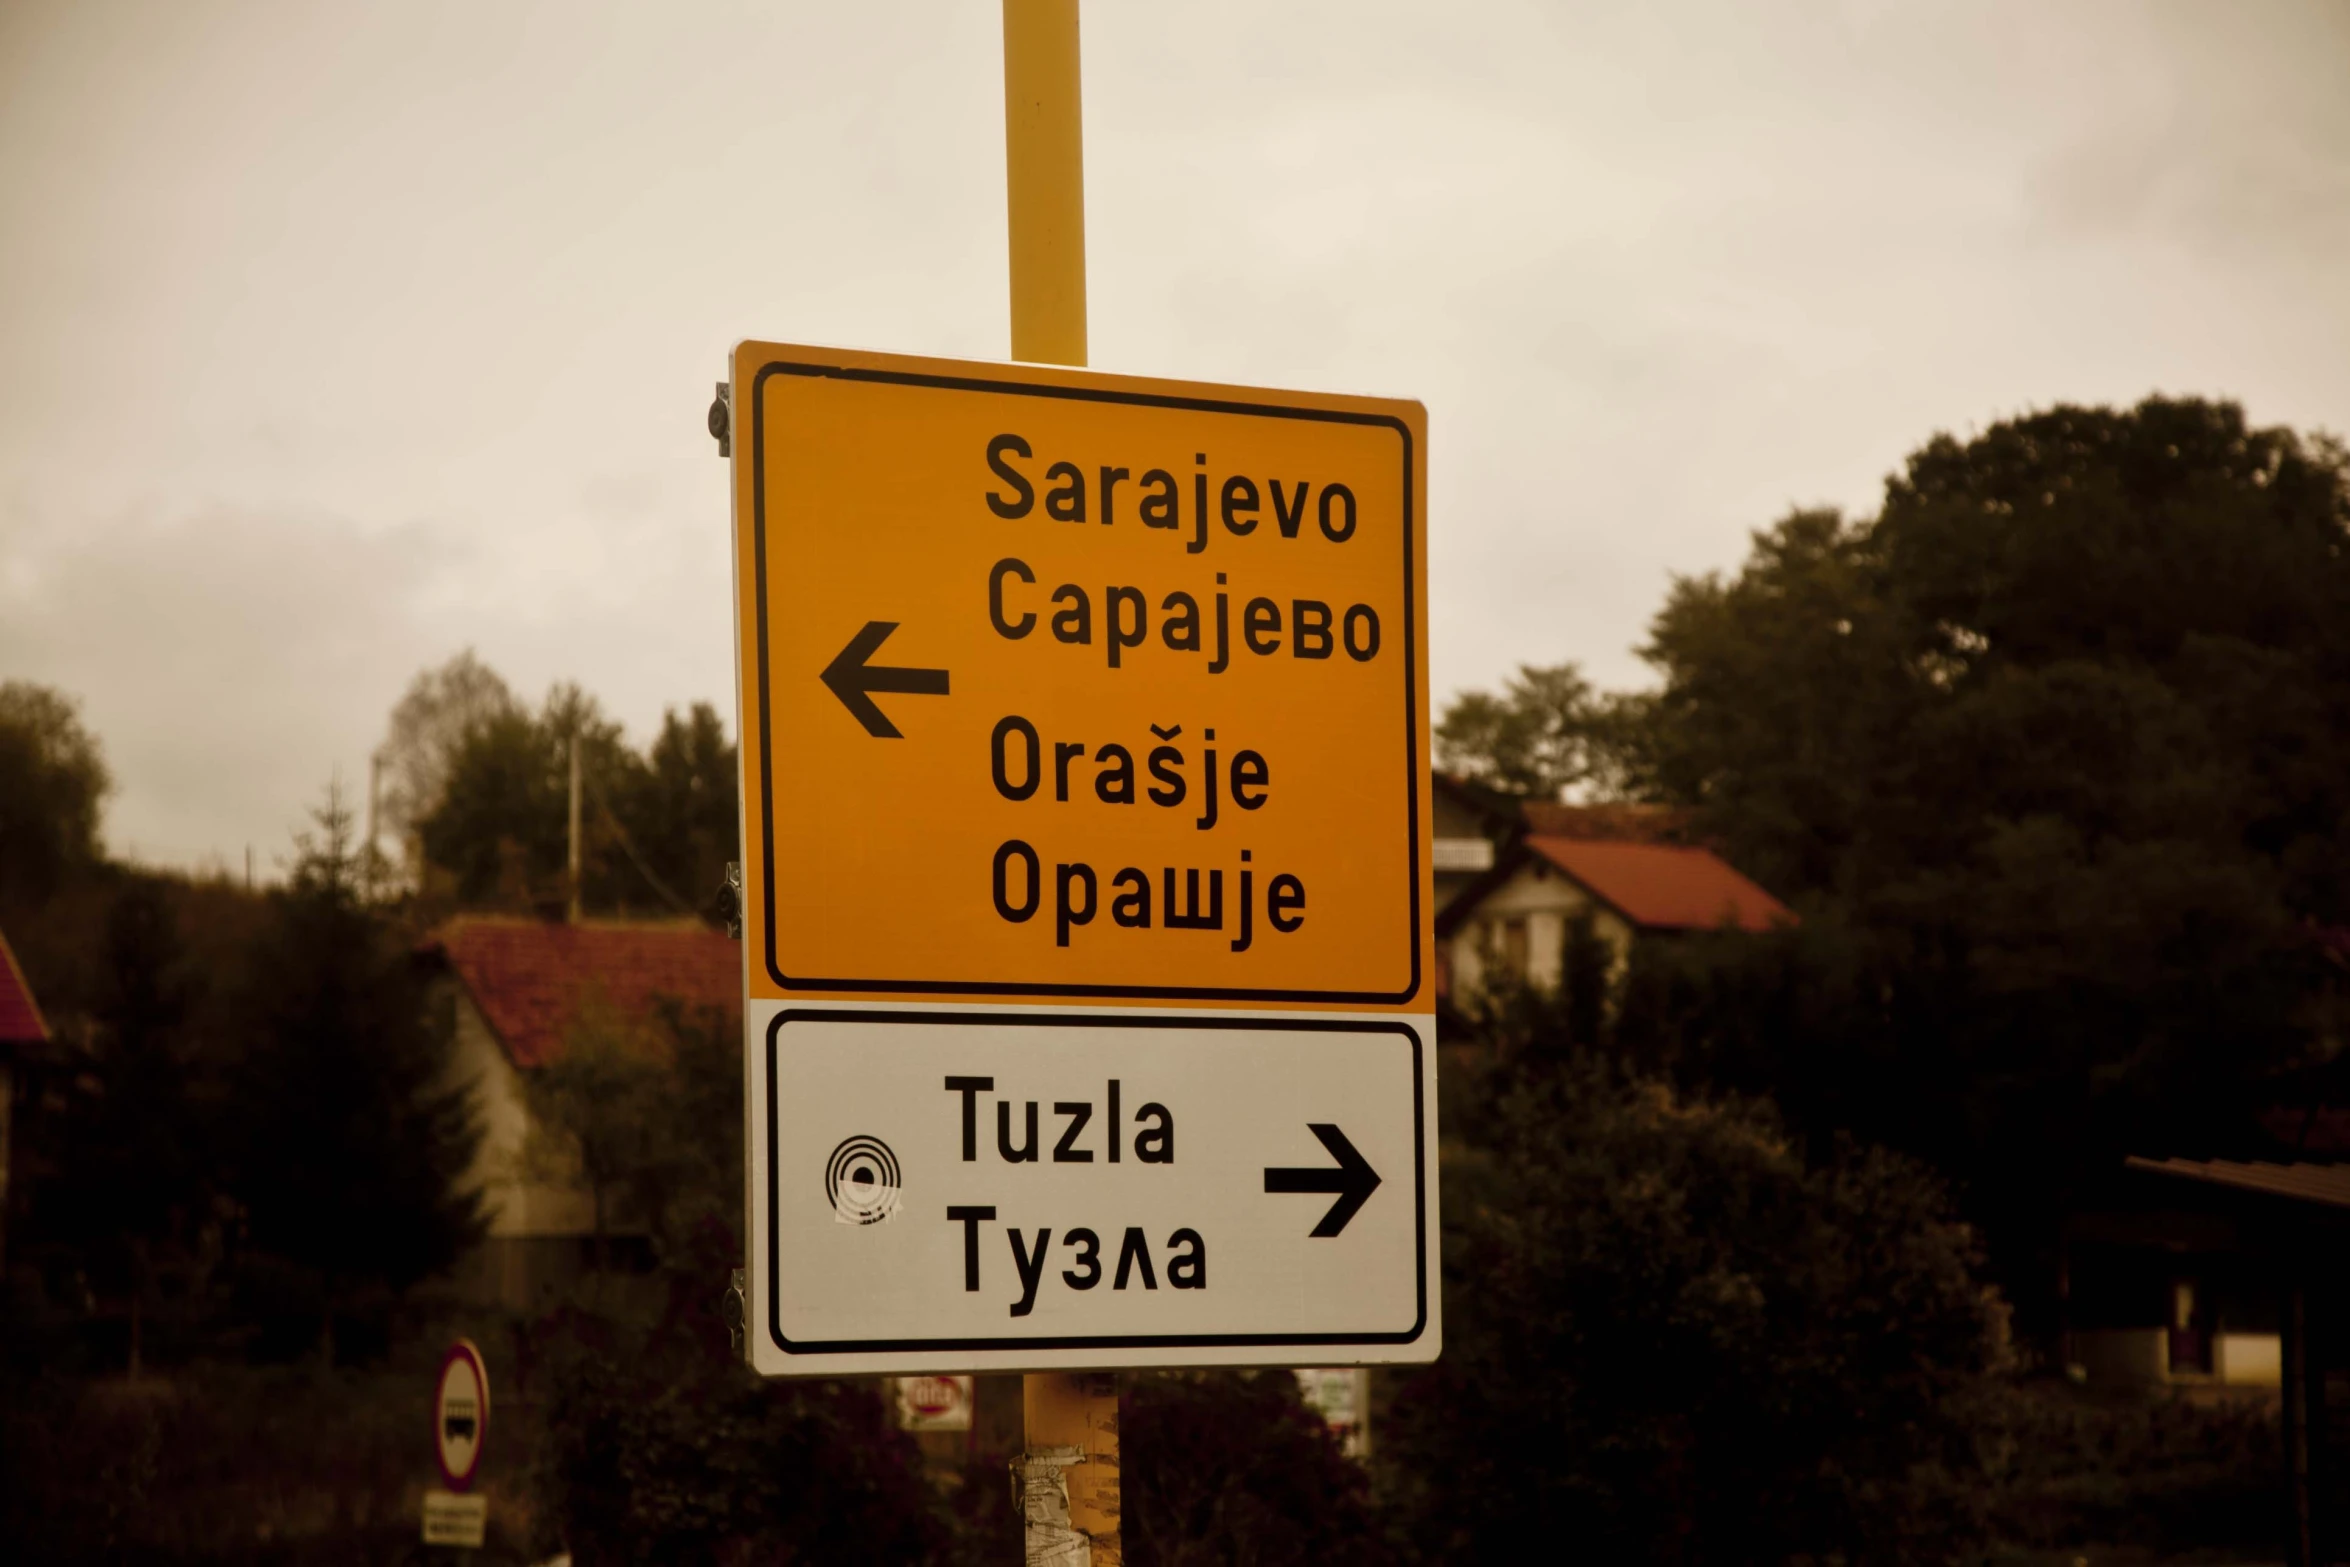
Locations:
{"points": [[460, 1413], [934, 1403]]}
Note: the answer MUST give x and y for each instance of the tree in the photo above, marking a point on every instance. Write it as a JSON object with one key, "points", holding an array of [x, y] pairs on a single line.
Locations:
{"points": [[136, 1186], [647, 1113], [661, 1446], [587, 1113], [2127, 622], [1670, 1337], [428, 727], [501, 830], [657, 829], [679, 816], [1231, 1466], [2054, 755], [355, 1134], [52, 782], [1544, 734]]}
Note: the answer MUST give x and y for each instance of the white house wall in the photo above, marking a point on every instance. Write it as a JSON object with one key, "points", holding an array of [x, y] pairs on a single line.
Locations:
{"points": [[1549, 903], [517, 1208]]}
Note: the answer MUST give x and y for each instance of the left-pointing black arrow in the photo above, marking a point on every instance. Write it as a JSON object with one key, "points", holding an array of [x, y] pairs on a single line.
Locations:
{"points": [[1353, 1180], [854, 681]]}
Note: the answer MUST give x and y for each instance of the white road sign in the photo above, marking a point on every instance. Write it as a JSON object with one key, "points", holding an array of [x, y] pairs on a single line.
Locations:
{"points": [[1003, 1189]]}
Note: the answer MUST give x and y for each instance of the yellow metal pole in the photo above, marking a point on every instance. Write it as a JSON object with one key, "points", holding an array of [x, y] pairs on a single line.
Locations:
{"points": [[1069, 1473], [1044, 175]]}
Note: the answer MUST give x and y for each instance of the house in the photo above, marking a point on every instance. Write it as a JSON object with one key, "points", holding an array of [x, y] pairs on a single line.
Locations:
{"points": [[2219, 1273], [2209, 1265], [2180, 1270], [22, 1031], [1472, 825], [1619, 866], [514, 989]]}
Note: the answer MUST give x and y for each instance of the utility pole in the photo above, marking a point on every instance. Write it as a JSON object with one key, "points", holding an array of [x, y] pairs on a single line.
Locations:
{"points": [[1069, 1471], [575, 826]]}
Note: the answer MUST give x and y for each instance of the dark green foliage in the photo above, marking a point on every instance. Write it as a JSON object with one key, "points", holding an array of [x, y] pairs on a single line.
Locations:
{"points": [[1671, 1338], [648, 1115], [661, 1446], [1536, 738], [2156, 1472], [1231, 1466], [350, 1133], [2054, 757], [2130, 622], [282, 1466], [680, 811], [52, 781], [656, 830], [428, 724], [695, 1175], [121, 1221], [501, 823], [134, 1194]]}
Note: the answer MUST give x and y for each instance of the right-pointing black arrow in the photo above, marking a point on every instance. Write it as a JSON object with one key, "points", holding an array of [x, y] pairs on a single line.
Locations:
{"points": [[1353, 1180]]}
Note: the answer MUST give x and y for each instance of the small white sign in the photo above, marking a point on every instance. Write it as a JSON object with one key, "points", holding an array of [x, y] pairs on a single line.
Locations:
{"points": [[450, 1519], [934, 1403], [1342, 1397]]}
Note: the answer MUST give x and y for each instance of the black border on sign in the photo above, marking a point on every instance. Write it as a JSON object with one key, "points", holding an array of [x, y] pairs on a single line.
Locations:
{"points": [[1096, 1341], [1411, 706]]}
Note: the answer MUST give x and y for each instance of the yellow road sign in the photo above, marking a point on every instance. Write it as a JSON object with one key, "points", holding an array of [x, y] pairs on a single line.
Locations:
{"points": [[1059, 684]]}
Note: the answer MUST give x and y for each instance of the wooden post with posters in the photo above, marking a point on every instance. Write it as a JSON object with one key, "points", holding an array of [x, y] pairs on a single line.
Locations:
{"points": [[1066, 1415]]}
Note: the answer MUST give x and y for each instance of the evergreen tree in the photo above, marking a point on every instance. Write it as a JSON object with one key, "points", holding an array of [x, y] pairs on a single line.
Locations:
{"points": [[657, 829], [679, 813], [499, 833], [133, 1194], [355, 1134]]}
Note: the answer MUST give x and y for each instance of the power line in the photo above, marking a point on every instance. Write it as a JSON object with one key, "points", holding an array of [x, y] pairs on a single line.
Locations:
{"points": [[628, 847]]}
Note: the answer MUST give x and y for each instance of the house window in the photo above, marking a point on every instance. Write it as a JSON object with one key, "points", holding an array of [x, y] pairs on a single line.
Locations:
{"points": [[2190, 1333], [1513, 944]]}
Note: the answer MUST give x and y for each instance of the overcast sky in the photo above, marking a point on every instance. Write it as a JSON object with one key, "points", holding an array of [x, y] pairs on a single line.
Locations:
{"points": [[337, 337]]}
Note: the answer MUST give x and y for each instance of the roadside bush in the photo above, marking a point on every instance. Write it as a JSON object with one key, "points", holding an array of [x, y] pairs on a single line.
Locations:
{"points": [[1231, 1466], [2072, 1468], [1670, 1338], [659, 1445], [227, 1463]]}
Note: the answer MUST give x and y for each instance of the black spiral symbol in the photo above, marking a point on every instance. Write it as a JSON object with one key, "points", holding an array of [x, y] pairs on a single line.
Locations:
{"points": [[861, 1180]]}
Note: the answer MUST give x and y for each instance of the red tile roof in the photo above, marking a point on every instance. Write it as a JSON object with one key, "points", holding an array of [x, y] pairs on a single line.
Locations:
{"points": [[1663, 887], [20, 1014], [530, 977]]}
